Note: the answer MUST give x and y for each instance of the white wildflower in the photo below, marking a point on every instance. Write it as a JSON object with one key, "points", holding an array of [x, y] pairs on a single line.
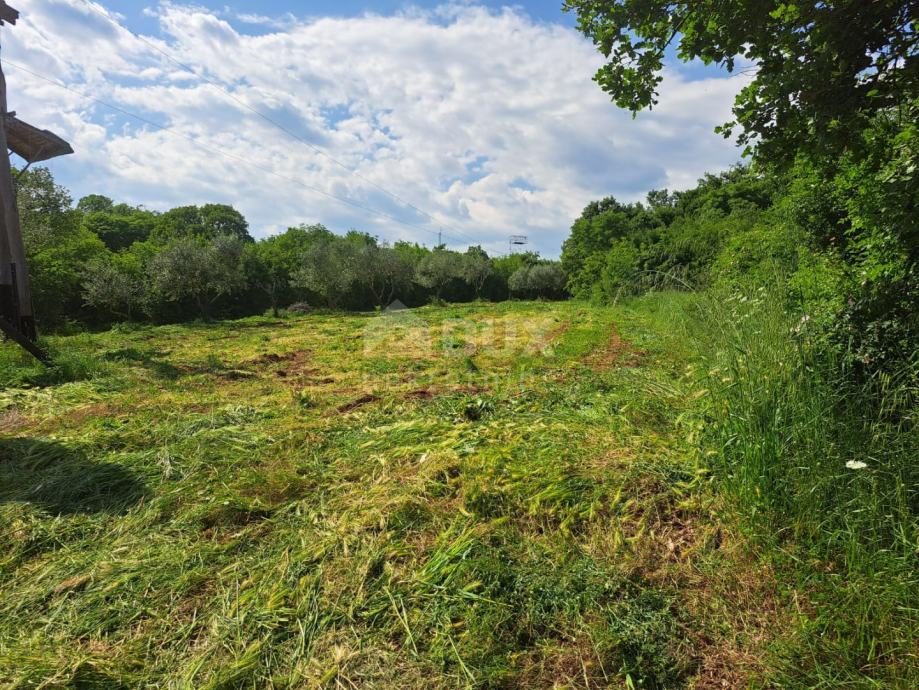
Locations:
{"points": [[856, 465]]}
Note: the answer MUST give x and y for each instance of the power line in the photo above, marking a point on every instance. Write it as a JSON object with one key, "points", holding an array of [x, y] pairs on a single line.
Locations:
{"points": [[269, 119], [171, 130]]}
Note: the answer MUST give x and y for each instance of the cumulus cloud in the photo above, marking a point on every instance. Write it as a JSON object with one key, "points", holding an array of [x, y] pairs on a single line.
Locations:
{"points": [[488, 121]]}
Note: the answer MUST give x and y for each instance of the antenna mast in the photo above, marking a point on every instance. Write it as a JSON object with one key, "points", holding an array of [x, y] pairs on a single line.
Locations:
{"points": [[516, 241]]}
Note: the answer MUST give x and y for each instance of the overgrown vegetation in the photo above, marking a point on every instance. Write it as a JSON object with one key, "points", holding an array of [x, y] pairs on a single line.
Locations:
{"points": [[823, 465]]}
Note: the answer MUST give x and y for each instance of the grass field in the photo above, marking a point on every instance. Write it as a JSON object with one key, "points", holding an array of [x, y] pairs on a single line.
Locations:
{"points": [[485, 495]]}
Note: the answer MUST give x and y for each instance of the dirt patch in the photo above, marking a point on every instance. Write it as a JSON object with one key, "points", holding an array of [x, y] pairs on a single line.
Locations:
{"points": [[12, 420], [283, 364], [616, 353], [270, 358], [544, 343], [744, 593], [432, 392], [360, 402], [682, 541], [572, 663], [298, 365], [470, 389], [81, 414], [726, 668], [720, 580]]}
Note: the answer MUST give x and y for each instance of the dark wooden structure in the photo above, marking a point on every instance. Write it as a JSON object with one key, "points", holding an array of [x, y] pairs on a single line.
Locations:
{"points": [[32, 145]]}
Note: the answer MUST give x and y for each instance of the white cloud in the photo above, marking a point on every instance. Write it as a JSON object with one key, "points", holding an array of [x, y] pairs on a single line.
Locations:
{"points": [[261, 20], [488, 121]]}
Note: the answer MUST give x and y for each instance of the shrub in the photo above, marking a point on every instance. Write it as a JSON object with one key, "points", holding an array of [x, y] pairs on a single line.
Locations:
{"points": [[620, 272]]}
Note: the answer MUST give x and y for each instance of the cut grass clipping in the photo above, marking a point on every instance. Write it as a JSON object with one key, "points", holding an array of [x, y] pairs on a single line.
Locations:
{"points": [[512, 495]]}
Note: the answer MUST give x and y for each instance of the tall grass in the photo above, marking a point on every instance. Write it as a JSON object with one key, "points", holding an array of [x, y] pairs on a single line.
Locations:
{"points": [[824, 468]]}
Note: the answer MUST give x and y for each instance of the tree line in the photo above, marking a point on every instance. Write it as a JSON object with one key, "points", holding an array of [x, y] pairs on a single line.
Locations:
{"points": [[828, 209], [842, 247], [99, 261]]}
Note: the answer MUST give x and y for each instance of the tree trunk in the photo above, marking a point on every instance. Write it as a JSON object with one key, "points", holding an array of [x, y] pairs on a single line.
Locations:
{"points": [[202, 307]]}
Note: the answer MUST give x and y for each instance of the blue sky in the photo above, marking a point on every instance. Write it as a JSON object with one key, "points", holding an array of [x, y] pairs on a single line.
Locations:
{"points": [[478, 120], [543, 10]]}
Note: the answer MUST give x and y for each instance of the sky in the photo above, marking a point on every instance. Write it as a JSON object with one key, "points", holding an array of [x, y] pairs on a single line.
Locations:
{"points": [[467, 121]]}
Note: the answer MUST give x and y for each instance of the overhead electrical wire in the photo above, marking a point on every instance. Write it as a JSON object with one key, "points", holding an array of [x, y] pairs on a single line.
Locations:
{"points": [[171, 130], [271, 120]]}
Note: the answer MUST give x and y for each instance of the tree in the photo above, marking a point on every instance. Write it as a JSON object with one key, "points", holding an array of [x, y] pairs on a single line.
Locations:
{"points": [[271, 262], [436, 270], [822, 70], [834, 99], [57, 249], [619, 270], [206, 222], [600, 225], [265, 272], [45, 212], [545, 279], [384, 272], [191, 269], [328, 268], [222, 220], [120, 230], [57, 275], [95, 203], [477, 268], [114, 286]]}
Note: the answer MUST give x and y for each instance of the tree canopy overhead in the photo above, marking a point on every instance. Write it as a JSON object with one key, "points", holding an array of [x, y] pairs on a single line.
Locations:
{"points": [[822, 69]]}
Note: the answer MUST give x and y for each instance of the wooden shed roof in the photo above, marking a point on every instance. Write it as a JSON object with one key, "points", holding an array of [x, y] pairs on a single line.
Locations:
{"points": [[31, 143], [7, 13]]}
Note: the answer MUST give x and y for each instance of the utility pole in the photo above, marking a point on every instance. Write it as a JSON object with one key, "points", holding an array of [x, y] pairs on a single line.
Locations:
{"points": [[17, 321], [8, 300]]}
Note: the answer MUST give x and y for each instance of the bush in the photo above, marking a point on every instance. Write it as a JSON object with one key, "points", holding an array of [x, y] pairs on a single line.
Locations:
{"points": [[114, 286], [620, 272]]}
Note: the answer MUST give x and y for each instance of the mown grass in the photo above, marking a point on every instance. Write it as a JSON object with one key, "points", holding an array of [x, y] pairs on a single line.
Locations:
{"points": [[517, 495], [479, 495]]}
